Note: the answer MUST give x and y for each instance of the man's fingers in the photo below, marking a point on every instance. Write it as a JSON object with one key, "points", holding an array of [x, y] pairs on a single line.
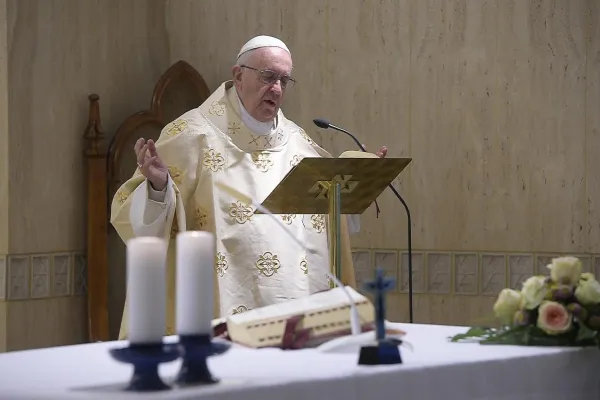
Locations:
{"points": [[153, 161], [152, 148], [141, 155], [382, 152], [138, 145]]}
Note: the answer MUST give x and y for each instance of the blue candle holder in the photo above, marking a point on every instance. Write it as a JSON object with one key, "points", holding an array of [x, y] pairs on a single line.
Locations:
{"points": [[195, 351], [145, 359], [386, 350]]}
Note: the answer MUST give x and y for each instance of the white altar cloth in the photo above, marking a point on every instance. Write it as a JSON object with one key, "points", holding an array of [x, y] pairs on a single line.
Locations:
{"points": [[435, 369]]}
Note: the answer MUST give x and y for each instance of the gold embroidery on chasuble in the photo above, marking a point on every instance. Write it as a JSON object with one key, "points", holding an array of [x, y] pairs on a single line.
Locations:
{"points": [[304, 266], [268, 264], [234, 127], [174, 228], [254, 140], [239, 310], [306, 137], [176, 127], [240, 212], [318, 222], [288, 218], [217, 108], [262, 160], [221, 264], [176, 174], [295, 161], [122, 196], [213, 160], [268, 141], [200, 218]]}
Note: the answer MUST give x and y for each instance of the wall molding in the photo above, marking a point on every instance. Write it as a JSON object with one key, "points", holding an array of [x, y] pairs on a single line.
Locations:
{"points": [[468, 273], [462, 272], [42, 275]]}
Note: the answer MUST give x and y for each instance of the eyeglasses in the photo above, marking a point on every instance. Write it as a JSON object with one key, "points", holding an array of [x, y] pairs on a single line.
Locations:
{"points": [[270, 77]]}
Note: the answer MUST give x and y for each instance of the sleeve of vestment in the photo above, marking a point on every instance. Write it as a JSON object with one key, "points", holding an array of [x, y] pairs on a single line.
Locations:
{"points": [[139, 210]]}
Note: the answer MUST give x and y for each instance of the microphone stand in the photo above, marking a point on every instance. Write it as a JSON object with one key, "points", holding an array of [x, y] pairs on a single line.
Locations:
{"points": [[324, 124]]}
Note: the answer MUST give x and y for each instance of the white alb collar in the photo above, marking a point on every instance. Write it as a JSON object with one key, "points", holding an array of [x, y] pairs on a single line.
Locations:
{"points": [[257, 127]]}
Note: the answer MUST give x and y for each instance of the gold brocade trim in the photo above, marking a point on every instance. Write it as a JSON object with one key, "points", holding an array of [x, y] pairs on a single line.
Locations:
{"points": [[234, 127], [176, 127], [295, 161], [174, 228], [268, 141], [122, 196], [306, 137], [268, 264], [254, 140], [221, 264], [176, 174], [240, 212], [304, 266], [213, 160], [262, 160], [239, 310], [200, 218], [217, 108], [318, 222], [288, 218]]}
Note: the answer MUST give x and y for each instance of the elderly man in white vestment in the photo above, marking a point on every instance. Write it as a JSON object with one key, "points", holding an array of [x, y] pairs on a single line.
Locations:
{"points": [[238, 136]]}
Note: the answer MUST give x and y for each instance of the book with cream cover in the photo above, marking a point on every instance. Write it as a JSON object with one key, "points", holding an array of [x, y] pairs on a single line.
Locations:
{"points": [[320, 317]]}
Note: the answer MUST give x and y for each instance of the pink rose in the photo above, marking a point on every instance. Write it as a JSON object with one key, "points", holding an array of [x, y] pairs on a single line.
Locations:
{"points": [[553, 318]]}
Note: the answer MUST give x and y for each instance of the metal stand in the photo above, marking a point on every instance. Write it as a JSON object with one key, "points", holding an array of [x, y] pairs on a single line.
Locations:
{"points": [[335, 243]]}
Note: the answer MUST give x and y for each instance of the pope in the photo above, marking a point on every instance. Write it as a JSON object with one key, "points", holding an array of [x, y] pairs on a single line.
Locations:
{"points": [[238, 136]]}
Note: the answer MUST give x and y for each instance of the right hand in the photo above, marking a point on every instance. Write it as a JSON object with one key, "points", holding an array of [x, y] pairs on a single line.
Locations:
{"points": [[150, 164]]}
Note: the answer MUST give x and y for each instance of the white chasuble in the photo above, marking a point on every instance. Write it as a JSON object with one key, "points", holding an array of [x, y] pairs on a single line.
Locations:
{"points": [[257, 264]]}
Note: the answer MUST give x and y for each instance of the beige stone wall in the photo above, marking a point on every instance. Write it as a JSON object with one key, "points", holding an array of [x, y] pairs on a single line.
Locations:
{"points": [[496, 101]]}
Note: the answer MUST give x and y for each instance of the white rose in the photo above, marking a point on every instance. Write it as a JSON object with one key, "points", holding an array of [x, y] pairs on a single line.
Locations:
{"points": [[588, 292], [508, 303], [534, 291], [565, 270], [586, 275]]}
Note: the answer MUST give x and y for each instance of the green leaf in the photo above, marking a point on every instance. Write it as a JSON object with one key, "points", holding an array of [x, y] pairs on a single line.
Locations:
{"points": [[585, 333], [479, 331], [507, 336], [472, 333]]}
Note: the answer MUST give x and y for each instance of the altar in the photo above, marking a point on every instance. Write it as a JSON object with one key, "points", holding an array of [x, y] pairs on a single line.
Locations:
{"points": [[433, 369]]}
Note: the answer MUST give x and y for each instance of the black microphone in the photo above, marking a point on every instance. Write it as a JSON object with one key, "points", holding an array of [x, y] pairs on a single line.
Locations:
{"points": [[324, 124]]}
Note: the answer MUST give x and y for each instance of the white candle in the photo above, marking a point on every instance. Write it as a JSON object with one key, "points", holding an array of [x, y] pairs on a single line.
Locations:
{"points": [[146, 289], [195, 270]]}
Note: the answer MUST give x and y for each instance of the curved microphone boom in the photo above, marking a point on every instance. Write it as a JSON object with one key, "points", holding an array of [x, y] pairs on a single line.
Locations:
{"points": [[324, 124]]}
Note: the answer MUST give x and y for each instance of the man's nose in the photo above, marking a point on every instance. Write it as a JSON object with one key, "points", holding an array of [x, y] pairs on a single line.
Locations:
{"points": [[276, 86]]}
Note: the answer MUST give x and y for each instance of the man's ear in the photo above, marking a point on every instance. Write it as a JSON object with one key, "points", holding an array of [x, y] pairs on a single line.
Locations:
{"points": [[236, 72]]}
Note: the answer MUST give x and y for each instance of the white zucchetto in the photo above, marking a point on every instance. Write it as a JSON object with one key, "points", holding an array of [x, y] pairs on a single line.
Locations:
{"points": [[263, 41]]}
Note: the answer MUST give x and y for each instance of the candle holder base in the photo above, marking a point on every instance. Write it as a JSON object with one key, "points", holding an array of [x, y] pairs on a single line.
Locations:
{"points": [[145, 360], [385, 352], [196, 349]]}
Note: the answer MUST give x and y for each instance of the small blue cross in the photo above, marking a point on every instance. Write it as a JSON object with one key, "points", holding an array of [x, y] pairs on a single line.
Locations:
{"points": [[379, 287]]}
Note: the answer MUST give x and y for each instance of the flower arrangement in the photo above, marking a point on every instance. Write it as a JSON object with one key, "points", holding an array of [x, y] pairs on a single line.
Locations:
{"points": [[560, 310]]}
